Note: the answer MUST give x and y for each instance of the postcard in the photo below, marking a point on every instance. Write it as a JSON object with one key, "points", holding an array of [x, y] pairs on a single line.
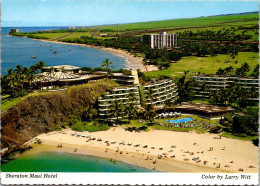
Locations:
{"points": [[129, 92]]}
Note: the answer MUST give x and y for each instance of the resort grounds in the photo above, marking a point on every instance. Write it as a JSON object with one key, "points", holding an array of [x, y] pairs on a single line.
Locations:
{"points": [[160, 150]]}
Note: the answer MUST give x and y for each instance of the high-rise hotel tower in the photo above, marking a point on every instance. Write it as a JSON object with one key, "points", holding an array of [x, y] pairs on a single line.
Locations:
{"points": [[161, 40]]}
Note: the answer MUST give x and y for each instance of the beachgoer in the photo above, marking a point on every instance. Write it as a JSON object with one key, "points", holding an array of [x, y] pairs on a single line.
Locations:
{"points": [[75, 150]]}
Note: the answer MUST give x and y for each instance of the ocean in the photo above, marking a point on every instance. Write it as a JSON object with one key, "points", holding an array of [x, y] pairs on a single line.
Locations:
{"points": [[66, 162], [18, 50]]}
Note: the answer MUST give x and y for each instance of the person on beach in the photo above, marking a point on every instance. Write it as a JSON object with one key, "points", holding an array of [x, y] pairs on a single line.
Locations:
{"points": [[75, 150]]}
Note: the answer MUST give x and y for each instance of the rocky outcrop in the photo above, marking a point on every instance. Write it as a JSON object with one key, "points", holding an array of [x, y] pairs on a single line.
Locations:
{"points": [[44, 112]]}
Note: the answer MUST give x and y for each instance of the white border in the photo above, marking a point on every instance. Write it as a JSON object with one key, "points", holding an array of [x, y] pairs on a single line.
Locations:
{"points": [[133, 178]]}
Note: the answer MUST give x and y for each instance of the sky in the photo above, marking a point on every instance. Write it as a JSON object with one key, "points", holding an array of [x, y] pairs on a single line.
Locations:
{"points": [[102, 12]]}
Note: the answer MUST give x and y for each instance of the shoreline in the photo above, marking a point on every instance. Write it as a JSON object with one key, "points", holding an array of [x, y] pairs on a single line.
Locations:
{"points": [[138, 155], [131, 61], [132, 158]]}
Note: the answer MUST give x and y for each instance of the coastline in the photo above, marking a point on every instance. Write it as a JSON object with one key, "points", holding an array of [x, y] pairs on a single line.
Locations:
{"points": [[138, 155], [132, 62]]}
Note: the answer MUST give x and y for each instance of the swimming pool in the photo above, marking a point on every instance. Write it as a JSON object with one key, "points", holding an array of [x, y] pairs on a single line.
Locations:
{"points": [[180, 120]]}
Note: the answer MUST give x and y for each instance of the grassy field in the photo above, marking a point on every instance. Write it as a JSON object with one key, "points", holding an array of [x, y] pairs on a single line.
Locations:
{"points": [[205, 64], [78, 35], [51, 35], [179, 25], [201, 21], [7, 102]]}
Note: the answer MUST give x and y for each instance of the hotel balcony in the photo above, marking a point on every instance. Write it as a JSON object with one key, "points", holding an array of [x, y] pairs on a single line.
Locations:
{"points": [[105, 109]]}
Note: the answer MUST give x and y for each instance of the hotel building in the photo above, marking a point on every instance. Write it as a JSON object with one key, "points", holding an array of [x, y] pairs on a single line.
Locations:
{"points": [[14, 30], [216, 82], [128, 77], [161, 91], [161, 40], [123, 95], [63, 68]]}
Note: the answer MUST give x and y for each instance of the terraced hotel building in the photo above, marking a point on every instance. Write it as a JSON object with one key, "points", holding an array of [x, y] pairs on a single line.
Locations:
{"points": [[160, 92], [216, 82], [155, 93], [123, 95]]}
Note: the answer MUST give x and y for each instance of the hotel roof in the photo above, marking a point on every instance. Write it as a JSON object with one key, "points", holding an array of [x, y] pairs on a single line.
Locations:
{"points": [[63, 67]]}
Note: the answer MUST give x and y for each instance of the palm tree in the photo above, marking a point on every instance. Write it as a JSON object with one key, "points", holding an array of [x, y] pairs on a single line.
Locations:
{"points": [[18, 78], [107, 64], [145, 63], [149, 112], [213, 55], [245, 67], [167, 103], [185, 72], [51, 74], [150, 94], [117, 109], [203, 89], [131, 109], [18, 69], [40, 64]]}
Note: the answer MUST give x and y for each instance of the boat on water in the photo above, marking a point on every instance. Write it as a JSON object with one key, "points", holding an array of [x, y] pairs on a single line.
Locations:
{"points": [[33, 57], [42, 45], [69, 49], [55, 52]]}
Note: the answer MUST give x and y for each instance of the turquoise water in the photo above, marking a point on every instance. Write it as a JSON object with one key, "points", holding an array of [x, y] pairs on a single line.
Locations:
{"points": [[18, 50], [65, 162], [180, 120]]}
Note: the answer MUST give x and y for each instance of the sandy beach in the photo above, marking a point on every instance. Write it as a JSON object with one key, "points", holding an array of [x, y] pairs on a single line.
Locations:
{"points": [[180, 151], [132, 61]]}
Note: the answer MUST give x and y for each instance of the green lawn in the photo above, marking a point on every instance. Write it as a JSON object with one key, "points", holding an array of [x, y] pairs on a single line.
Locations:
{"points": [[205, 64], [78, 35], [239, 136], [51, 35], [7, 102]]}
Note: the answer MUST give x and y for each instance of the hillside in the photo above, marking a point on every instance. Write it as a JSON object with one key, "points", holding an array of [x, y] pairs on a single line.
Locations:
{"points": [[45, 112], [140, 28]]}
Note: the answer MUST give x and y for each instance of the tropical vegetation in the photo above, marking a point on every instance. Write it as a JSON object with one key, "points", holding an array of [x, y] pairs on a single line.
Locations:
{"points": [[20, 81]]}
